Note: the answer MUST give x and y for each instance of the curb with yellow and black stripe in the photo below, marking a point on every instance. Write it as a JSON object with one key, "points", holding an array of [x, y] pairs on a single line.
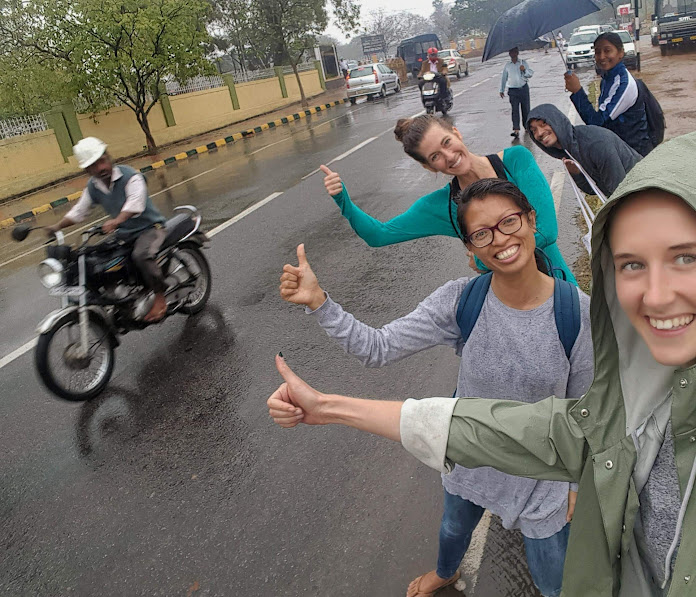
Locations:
{"points": [[213, 145]]}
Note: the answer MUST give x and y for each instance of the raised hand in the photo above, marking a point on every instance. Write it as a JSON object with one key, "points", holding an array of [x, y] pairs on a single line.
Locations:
{"points": [[299, 285], [295, 401], [572, 83], [332, 181]]}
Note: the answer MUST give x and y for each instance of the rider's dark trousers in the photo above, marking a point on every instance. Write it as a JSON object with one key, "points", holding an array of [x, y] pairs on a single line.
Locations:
{"points": [[519, 98], [144, 256]]}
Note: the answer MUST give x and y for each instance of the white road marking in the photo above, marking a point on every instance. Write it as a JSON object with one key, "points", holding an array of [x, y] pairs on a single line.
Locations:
{"points": [[471, 564], [313, 127], [15, 354], [572, 114], [557, 184], [346, 154], [358, 146], [243, 214]]}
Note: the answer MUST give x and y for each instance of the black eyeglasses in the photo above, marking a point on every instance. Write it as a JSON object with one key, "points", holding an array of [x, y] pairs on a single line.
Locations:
{"points": [[507, 226]]}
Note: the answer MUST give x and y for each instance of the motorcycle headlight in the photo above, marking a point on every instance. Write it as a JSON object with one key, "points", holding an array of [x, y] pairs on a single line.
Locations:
{"points": [[51, 273]]}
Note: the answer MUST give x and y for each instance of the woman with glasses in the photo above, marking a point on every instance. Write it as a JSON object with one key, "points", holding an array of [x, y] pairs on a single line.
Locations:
{"points": [[498, 226], [437, 145]]}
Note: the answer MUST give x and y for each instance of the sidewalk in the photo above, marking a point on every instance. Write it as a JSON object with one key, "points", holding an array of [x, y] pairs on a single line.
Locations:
{"points": [[17, 209]]}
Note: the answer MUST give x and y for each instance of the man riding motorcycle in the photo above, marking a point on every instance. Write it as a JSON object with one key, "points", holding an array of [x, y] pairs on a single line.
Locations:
{"points": [[122, 193], [436, 65]]}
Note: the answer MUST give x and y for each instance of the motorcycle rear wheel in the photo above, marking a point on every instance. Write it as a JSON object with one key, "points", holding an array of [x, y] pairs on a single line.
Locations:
{"points": [[49, 360], [194, 258]]}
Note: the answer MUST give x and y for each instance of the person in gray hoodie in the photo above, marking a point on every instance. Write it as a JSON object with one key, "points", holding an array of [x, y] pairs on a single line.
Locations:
{"points": [[601, 153]]}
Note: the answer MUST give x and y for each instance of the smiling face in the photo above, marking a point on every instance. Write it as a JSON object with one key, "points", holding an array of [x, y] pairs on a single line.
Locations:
{"points": [[507, 254], [102, 169], [444, 151], [653, 243], [543, 133], [607, 55]]}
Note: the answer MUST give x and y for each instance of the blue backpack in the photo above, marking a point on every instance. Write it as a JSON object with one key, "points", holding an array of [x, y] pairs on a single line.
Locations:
{"points": [[566, 309]]}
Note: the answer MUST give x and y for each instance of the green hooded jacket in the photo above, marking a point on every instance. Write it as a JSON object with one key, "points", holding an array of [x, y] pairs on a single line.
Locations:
{"points": [[607, 441]]}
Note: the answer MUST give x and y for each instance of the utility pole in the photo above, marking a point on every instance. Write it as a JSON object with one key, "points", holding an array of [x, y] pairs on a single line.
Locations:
{"points": [[636, 29]]}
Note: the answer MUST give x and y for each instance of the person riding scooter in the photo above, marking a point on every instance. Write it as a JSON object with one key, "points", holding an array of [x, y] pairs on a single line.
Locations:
{"points": [[122, 193], [436, 65]]}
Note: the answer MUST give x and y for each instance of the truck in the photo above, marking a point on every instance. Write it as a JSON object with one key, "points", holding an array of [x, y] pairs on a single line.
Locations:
{"points": [[414, 51], [675, 27]]}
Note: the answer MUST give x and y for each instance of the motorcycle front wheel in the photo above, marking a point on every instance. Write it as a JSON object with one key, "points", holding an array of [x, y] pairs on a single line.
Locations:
{"points": [[197, 265], [61, 367]]}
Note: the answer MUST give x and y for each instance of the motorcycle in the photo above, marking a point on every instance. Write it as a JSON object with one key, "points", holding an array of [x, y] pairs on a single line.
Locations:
{"points": [[435, 95], [103, 297]]}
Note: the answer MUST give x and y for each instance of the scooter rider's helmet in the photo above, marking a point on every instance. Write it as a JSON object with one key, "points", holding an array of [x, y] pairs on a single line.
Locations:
{"points": [[432, 52]]}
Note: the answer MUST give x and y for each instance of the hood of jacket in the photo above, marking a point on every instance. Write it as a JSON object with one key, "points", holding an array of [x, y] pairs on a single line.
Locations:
{"points": [[565, 131], [623, 364]]}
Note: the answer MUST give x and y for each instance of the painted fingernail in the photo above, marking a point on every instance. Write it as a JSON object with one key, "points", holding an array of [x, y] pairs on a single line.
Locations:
{"points": [[280, 354]]}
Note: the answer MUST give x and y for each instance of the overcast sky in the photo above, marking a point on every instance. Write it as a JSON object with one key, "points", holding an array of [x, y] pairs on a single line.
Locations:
{"points": [[423, 7]]}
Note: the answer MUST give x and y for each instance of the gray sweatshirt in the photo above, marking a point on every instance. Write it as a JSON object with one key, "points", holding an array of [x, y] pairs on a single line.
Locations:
{"points": [[510, 354]]}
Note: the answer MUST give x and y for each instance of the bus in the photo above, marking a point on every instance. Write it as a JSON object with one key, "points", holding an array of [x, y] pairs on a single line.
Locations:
{"points": [[414, 50]]}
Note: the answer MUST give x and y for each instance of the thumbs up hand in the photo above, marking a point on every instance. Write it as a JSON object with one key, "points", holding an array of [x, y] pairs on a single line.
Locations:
{"points": [[332, 181], [295, 401], [299, 285]]}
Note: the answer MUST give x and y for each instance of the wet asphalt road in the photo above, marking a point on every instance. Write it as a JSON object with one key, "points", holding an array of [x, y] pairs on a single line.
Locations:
{"points": [[174, 481]]}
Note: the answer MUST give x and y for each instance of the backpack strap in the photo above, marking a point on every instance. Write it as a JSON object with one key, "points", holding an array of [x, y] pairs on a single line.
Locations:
{"points": [[471, 303], [566, 310]]}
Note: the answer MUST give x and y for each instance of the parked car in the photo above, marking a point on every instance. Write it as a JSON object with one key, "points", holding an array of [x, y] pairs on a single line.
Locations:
{"points": [[581, 49], [456, 63], [629, 44], [371, 80], [352, 64], [597, 29]]}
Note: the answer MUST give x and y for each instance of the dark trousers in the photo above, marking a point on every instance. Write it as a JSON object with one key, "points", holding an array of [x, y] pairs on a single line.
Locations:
{"points": [[519, 98], [144, 256]]}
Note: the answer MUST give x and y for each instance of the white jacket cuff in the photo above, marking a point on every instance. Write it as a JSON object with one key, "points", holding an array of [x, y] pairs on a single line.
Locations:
{"points": [[425, 428]]}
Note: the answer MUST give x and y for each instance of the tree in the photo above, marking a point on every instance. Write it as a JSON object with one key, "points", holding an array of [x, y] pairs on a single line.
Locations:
{"points": [[479, 15], [389, 25], [445, 26], [290, 27], [113, 52]]}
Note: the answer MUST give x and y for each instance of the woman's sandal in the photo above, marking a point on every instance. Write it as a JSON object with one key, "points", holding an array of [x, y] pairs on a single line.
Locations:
{"points": [[448, 583]]}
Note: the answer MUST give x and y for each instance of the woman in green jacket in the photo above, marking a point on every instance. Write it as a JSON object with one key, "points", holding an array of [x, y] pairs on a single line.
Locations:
{"points": [[438, 146], [630, 442]]}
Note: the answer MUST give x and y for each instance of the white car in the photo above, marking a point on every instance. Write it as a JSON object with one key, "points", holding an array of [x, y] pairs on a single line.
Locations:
{"points": [[456, 63], [629, 45], [581, 49], [371, 80]]}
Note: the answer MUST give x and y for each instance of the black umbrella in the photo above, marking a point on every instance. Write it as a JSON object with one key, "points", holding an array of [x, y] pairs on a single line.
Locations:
{"points": [[533, 18]]}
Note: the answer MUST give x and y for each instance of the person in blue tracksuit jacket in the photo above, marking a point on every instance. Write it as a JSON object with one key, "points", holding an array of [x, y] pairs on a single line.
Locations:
{"points": [[620, 108]]}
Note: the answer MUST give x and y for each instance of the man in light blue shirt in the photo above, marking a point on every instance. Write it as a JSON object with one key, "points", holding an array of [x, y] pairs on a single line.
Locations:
{"points": [[516, 74]]}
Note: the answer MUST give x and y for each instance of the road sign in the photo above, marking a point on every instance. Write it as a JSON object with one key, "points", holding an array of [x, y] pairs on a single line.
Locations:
{"points": [[372, 44]]}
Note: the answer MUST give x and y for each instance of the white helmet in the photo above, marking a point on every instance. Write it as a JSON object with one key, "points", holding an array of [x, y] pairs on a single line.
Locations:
{"points": [[88, 150]]}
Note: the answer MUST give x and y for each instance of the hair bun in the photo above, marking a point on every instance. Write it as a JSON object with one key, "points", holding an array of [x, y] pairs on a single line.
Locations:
{"points": [[401, 128]]}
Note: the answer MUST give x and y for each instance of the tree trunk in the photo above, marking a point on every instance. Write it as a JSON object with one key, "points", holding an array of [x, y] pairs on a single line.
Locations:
{"points": [[299, 84], [141, 116]]}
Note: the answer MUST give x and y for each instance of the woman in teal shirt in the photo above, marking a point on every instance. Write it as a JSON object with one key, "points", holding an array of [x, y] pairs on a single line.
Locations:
{"points": [[438, 146]]}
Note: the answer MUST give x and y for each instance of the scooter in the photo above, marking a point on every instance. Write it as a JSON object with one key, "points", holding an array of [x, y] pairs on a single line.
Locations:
{"points": [[435, 95]]}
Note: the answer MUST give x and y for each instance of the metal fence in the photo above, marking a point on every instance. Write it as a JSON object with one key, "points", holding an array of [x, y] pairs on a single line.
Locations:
{"points": [[268, 73], [195, 84], [22, 125]]}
